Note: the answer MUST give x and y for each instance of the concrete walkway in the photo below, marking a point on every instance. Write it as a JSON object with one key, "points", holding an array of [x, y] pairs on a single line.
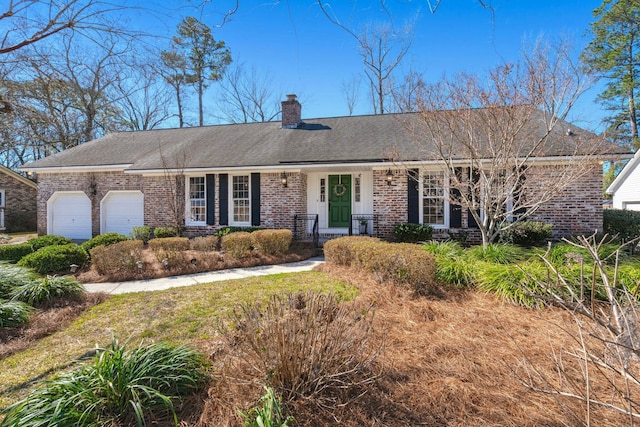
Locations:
{"points": [[194, 279]]}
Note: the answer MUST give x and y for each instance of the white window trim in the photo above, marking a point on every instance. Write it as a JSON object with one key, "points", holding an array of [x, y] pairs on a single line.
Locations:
{"points": [[231, 200], [446, 198], [187, 197]]}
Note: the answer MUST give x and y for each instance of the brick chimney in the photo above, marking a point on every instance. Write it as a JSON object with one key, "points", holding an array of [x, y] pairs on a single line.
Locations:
{"points": [[291, 112]]}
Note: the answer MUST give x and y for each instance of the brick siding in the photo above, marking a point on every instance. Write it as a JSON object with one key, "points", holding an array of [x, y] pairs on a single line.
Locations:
{"points": [[20, 211]]}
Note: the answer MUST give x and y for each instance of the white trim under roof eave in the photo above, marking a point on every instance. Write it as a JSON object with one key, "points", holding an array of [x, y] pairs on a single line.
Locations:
{"points": [[623, 174], [71, 169]]}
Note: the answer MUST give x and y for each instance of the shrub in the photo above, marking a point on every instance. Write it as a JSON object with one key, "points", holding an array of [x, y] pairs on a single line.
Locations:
{"points": [[237, 244], [55, 258], [13, 253], [527, 233], [455, 270], [119, 387], [13, 276], [204, 243], [233, 229], [412, 233], [48, 240], [169, 244], [306, 344], [162, 232], [117, 258], [340, 251], [142, 232], [272, 242], [105, 239], [14, 313], [42, 291], [624, 223]]}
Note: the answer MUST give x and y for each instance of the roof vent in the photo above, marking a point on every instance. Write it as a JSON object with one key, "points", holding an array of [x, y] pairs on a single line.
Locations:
{"points": [[291, 112]]}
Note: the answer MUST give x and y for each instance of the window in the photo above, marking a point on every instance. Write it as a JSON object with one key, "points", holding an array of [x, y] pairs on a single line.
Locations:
{"points": [[197, 209], [241, 199], [356, 189], [2, 209], [323, 190], [434, 201]]}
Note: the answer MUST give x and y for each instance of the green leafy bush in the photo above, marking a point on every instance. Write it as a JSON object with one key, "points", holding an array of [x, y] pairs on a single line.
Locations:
{"points": [[237, 244], [527, 233], [42, 291], [48, 240], [118, 259], [119, 387], [204, 243], [13, 276], [162, 232], [624, 223], [142, 232], [272, 242], [412, 233], [14, 313], [105, 239], [233, 229], [14, 253], [55, 258]]}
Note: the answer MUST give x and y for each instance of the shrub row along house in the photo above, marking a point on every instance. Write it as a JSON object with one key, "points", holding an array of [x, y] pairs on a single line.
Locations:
{"points": [[324, 175]]}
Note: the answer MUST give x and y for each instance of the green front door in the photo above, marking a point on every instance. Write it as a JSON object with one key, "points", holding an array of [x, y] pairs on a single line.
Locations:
{"points": [[339, 200]]}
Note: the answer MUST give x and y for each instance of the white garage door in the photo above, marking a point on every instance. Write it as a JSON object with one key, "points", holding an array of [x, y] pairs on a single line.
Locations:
{"points": [[69, 215], [632, 206], [121, 211]]}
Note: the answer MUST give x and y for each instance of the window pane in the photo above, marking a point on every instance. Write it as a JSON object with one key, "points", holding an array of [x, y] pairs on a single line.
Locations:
{"points": [[197, 202], [241, 202], [433, 198]]}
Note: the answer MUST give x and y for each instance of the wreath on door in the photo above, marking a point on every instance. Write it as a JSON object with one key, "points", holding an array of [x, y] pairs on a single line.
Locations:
{"points": [[339, 190]]}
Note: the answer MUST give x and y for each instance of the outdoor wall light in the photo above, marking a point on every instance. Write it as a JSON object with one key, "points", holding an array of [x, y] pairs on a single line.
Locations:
{"points": [[389, 176], [283, 179], [93, 188]]}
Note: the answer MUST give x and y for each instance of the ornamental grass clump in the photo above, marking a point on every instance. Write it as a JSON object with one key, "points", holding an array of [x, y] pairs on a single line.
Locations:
{"points": [[272, 242], [13, 276], [14, 313], [307, 345], [515, 283], [496, 253], [39, 292], [119, 387]]}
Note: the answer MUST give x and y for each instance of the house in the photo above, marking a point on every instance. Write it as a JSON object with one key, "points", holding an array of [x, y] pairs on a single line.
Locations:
{"points": [[323, 176], [17, 202], [625, 189]]}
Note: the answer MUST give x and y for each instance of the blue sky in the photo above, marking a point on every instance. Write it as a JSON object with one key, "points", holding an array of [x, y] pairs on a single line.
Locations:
{"points": [[306, 54]]}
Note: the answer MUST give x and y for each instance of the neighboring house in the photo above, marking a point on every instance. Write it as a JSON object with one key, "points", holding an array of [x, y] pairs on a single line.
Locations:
{"points": [[326, 174], [625, 189], [17, 202]]}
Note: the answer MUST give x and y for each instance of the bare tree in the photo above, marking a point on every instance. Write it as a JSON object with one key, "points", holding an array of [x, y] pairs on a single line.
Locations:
{"points": [[248, 96], [604, 345], [488, 132], [30, 21], [351, 92]]}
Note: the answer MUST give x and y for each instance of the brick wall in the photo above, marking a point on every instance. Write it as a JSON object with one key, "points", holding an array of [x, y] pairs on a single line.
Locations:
{"points": [[389, 202], [280, 204], [20, 204]]}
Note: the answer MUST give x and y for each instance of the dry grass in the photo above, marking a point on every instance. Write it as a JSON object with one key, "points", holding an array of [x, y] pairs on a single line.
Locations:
{"points": [[455, 360]]}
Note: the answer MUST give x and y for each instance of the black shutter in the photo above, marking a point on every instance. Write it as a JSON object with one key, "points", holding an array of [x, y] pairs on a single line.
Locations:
{"points": [[455, 211], [210, 183], [413, 197], [475, 179], [223, 198], [255, 199], [518, 195]]}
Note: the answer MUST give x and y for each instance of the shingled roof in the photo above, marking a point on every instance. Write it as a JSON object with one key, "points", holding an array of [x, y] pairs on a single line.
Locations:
{"points": [[353, 139]]}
